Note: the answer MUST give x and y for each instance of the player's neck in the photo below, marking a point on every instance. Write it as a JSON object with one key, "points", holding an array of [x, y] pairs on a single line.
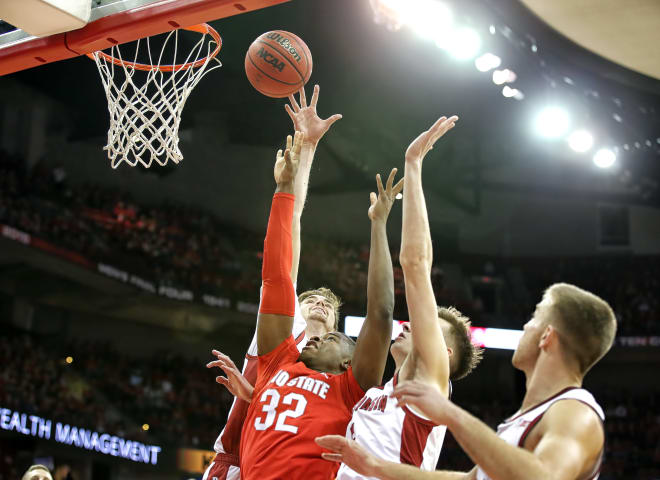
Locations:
{"points": [[315, 328], [548, 377], [321, 369]]}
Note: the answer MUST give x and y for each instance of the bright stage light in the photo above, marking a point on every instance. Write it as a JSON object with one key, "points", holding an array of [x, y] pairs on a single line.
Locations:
{"points": [[604, 158], [581, 141], [464, 44], [487, 62], [504, 76], [485, 337], [509, 92], [395, 6], [428, 18], [552, 122]]}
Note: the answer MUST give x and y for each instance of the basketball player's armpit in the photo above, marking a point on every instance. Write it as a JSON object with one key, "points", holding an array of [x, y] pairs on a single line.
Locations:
{"points": [[279, 297]]}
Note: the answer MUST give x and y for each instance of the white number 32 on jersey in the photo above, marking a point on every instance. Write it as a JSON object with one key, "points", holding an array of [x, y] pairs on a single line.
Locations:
{"points": [[270, 409]]}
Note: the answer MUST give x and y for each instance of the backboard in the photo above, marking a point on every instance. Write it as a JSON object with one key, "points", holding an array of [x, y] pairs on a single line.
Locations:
{"points": [[114, 22]]}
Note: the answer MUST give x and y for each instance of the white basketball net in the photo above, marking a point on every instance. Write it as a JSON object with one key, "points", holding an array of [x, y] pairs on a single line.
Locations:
{"points": [[145, 106]]}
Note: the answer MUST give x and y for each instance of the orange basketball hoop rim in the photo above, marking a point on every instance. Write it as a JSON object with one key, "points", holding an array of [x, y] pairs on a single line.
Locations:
{"points": [[202, 28]]}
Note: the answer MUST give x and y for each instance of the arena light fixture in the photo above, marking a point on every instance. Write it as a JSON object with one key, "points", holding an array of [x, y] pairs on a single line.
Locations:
{"points": [[502, 338], [501, 77], [465, 44], [604, 158], [425, 17], [580, 141], [487, 62], [509, 92], [552, 122], [397, 7]]}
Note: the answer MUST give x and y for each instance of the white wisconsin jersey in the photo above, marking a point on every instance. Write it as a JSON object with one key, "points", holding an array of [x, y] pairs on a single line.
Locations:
{"points": [[515, 430], [392, 433], [298, 331]]}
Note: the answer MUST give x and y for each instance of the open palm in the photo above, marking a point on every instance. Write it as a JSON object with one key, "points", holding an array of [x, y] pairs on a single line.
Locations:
{"points": [[425, 141], [306, 120]]}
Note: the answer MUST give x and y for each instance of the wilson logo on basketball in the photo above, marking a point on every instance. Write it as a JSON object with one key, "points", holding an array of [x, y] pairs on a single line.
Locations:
{"points": [[286, 44], [278, 63], [269, 58]]}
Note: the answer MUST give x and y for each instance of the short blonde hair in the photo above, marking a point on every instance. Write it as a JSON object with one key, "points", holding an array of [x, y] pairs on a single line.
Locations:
{"points": [[334, 300], [26, 475], [585, 322], [467, 355]]}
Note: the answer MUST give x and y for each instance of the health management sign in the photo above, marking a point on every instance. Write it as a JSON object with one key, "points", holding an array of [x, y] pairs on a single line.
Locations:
{"points": [[104, 443]]}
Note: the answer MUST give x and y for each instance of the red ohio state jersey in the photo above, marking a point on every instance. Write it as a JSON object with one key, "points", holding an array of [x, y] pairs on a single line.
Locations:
{"points": [[225, 464], [291, 406]]}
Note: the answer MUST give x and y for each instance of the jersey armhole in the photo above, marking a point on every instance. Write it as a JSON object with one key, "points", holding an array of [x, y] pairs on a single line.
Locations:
{"points": [[417, 416]]}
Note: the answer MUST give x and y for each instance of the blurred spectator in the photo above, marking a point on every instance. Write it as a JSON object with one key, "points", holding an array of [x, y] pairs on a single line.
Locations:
{"points": [[62, 472]]}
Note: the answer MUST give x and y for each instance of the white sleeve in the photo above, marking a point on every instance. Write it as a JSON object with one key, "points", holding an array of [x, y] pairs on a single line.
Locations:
{"points": [[299, 325]]}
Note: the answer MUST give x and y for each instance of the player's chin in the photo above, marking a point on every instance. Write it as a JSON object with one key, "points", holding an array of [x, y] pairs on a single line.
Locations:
{"points": [[516, 360], [317, 317]]}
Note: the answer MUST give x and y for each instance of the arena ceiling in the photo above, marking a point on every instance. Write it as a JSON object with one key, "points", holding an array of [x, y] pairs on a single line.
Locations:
{"points": [[624, 32], [391, 85]]}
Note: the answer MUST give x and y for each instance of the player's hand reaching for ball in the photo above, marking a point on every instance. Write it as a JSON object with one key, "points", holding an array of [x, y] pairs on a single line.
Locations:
{"points": [[418, 149], [287, 163], [306, 120], [235, 382], [349, 452], [381, 204], [425, 398]]}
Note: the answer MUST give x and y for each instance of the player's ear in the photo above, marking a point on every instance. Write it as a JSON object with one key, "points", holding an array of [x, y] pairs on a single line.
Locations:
{"points": [[549, 335], [346, 364]]}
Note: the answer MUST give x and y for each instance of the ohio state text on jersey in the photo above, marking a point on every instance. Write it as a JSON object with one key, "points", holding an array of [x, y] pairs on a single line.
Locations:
{"points": [[291, 406], [226, 462]]}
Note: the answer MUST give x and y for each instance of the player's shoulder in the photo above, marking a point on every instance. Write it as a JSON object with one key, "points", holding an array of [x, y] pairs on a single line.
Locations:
{"points": [[284, 353], [572, 417]]}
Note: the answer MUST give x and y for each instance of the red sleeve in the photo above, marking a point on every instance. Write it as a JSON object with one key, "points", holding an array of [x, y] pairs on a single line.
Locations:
{"points": [[286, 353], [350, 388], [278, 295]]}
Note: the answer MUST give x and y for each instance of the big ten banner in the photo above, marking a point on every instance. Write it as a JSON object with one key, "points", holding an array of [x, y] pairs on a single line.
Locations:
{"points": [[194, 461]]}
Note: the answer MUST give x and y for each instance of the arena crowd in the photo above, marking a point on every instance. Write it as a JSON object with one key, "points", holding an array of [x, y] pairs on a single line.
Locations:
{"points": [[184, 246]]}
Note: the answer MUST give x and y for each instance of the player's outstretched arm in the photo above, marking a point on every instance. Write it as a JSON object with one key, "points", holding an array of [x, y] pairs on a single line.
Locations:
{"points": [[278, 299], [305, 120], [430, 360], [374, 340], [363, 462], [571, 437]]}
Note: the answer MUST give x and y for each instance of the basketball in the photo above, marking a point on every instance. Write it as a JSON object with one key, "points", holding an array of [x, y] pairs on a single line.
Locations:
{"points": [[278, 63]]}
